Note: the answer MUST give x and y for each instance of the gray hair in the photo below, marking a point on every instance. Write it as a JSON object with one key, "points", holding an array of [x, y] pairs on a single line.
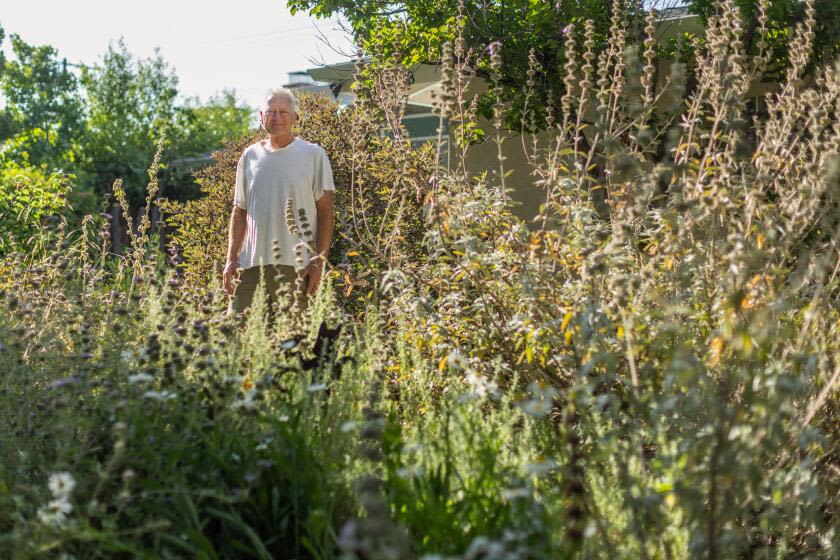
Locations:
{"points": [[285, 92]]}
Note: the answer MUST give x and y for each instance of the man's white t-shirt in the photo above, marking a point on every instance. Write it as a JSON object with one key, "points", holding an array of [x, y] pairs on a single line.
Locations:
{"points": [[265, 178]]}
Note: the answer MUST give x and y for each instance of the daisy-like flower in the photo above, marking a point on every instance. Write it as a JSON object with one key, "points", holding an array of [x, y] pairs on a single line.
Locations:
{"points": [[536, 407], [455, 360], [140, 378], [540, 466], [55, 512], [480, 385], [61, 484], [246, 402], [348, 426], [542, 397], [135, 355], [160, 395]]}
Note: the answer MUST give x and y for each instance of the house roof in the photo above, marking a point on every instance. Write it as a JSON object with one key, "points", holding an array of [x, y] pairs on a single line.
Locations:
{"points": [[675, 12]]}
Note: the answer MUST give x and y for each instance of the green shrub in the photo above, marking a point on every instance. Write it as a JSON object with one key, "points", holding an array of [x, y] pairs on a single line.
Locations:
{"points": [[27, 196], [201, 225]]}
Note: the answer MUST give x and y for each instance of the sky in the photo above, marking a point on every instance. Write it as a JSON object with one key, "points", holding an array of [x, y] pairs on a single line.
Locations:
{"points": [[246, 45]]}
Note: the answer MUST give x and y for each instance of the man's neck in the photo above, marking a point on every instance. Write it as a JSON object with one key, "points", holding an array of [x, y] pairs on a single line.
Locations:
{"points": [[281, 141]]}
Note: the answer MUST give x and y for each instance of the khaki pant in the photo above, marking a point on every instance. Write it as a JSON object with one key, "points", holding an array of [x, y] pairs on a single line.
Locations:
{"points": [[272, 276]]}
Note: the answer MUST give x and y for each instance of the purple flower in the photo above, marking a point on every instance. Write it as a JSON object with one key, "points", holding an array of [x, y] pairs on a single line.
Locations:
{"points": [[348, 539], [59, 383]]}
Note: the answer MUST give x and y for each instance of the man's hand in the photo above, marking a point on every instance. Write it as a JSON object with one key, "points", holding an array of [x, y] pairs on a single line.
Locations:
{"points": [[236, 235], [229, 274], [313, 272]]}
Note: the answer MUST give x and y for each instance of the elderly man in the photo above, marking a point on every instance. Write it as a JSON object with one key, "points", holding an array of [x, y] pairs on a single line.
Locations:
{"points": [[269, 173]]}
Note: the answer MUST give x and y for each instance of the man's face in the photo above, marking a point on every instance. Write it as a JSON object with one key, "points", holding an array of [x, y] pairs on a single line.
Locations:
{"points": [[277, 117]]}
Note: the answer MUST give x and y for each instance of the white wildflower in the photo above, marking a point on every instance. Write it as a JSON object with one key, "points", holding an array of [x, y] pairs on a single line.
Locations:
{"points": [[536, 408], [140, 378], [315, 387], [482, 386], [134, 355], [590, 530], [455, 360], [540, 466], [164, 395], [348, 426], [410, 471], [246, 402], [541, 401], [61, 484], [55, 512]]}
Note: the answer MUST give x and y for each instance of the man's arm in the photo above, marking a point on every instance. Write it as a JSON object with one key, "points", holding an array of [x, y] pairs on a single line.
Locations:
{"points": [[324, 208], [236, 236]]}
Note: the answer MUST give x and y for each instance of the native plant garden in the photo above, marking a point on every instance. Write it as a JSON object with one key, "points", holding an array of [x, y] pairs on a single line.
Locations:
{"points": [[647, 369]]}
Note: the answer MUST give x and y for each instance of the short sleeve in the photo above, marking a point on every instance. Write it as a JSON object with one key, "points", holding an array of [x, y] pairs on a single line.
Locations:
{"points": [[239, 195], [323, 176]]}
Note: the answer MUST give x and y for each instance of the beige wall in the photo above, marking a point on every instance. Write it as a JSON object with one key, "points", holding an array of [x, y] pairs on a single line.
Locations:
{"points": [[525, 194]]}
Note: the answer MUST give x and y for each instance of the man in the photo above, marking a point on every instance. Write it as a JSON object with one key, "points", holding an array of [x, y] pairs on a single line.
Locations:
{"points": [[269, 173]]}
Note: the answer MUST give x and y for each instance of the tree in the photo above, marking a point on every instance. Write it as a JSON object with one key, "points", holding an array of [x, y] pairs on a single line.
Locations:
{"points": [[200, 128], [418, 30], [44, 118], [131, 102], [2, 55], [204, 126], [109, 129]]}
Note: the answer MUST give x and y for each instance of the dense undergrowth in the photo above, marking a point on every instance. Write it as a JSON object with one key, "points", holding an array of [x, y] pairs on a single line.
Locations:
{"points": [[652, 376]]}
